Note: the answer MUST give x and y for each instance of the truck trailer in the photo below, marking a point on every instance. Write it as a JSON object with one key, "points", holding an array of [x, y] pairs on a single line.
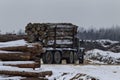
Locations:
{"points": [[59, 40]]}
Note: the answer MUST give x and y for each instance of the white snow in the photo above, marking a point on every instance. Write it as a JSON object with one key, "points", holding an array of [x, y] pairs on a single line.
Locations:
{"points": [[104, 53], [103, 41], [13, 43], [51, 42], [103, 56], [10, 68], [1, 51], [10, 78], [101, 72], [107, 40], [16, 62]]}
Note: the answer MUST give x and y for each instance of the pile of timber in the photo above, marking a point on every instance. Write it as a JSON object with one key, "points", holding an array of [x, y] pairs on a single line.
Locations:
{"points": [[50, 34], [20, 53], [16, 70]]}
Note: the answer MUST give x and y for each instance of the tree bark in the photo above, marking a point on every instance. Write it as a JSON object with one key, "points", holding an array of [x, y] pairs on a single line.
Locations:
{"points": [[26, 74]]}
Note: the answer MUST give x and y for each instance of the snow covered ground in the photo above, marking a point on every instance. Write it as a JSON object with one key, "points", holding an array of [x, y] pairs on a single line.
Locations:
{"points": [[104, 42], [100, 72], [67, 72], [107, 57]]}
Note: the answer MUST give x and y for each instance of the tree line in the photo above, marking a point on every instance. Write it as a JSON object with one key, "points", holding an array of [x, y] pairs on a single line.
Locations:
{"points": [[112, 33]]}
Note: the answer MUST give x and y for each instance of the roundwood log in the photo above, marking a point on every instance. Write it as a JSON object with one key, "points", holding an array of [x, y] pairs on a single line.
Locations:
{"points": [[60, 46], [60, 34], [29, 32], [28, 65], [31, 38], [61, 30], [33, 78], [36, 32], [51, 29], [33, 29], [60, 38], [15, 48], [41, 32], [34, 48], [26, 74], [15, 56], [38, 28]]}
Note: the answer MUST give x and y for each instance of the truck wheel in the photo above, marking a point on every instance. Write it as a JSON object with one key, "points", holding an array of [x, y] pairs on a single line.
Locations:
{"points": [[57, 57], [75, 57], [48, 58], [70, 60]]}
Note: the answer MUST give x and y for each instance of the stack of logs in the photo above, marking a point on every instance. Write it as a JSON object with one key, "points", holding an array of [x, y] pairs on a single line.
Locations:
{"points": [[20, 53], [46, 32], [28, 52]]}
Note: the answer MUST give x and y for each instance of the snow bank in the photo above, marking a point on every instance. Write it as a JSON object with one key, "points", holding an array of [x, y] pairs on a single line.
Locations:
{"points": [[107, 40], [99, 72], [103, 56]]}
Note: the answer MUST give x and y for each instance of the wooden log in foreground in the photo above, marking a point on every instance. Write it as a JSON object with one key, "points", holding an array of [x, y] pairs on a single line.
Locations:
{"points": [[26, 74], [15, 56], [15, 48], [34, 48], [28, 65], [23, 52], [33, 78]]}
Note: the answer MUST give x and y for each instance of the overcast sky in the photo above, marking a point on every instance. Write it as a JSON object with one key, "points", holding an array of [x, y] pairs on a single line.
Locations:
{"points": [[15, 14]]}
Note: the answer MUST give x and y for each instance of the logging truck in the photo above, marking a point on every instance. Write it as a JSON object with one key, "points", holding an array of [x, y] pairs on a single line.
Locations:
{"points": [[59, 41]]}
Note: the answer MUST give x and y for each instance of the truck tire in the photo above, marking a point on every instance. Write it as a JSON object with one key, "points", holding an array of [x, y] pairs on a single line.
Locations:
{"points": [[57, 57], [48, 57], [70, 59], [75, 57]]}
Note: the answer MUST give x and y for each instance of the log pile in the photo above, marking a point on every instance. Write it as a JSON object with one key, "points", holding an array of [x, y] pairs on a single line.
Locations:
{"points": [[25, 52], [50, 34], [20, 53], [26, 75]]}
